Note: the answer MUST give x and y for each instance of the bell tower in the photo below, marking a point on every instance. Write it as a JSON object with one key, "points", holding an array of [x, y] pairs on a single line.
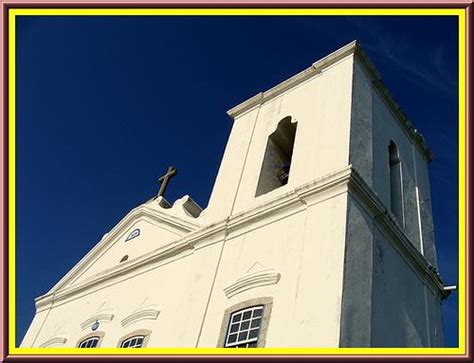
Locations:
{"points": [[335, 127], [300, 128]]}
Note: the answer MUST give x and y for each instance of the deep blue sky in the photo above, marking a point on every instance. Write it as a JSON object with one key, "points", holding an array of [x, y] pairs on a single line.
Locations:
{"points": [[105, 104]]}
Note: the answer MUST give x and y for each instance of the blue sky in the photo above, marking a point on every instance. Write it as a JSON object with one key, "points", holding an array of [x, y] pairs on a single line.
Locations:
{"points": [[106, 104]]}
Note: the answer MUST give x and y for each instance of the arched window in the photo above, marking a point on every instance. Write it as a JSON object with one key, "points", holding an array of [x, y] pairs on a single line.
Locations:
{"points": [[90, 342], [277, 159], [396, 183], [135, 339], [133, 342]]}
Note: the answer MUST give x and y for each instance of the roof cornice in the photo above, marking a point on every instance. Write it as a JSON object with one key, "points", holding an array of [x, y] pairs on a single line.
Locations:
{"points": [[388, 222], [327, 185], [353, 48], [412, 133], [142, 211], [315, 69]]}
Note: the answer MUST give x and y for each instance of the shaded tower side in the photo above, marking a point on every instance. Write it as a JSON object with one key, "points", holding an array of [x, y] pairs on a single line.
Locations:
{"points": [[390, 277]]}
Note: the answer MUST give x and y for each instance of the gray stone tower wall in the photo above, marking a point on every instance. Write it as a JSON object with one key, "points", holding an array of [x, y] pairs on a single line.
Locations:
{"points": [[388, 300], [375, 123]]}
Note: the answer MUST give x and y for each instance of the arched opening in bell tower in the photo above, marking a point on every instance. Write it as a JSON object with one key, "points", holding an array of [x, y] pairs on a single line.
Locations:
{"points": [[396, 191], [276, 164]]}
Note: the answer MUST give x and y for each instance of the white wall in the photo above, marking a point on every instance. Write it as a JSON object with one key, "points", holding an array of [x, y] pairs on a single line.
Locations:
{"points": [[321, 107], [304, 245], [177, 287], [152, 236], [307, 249]]}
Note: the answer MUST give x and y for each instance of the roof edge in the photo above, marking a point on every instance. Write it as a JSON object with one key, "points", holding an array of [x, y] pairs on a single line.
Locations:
{"points": [[316, 68]]}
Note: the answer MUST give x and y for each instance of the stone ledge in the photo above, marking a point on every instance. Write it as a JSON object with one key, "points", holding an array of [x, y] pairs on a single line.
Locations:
{"points": [[293, 199]]}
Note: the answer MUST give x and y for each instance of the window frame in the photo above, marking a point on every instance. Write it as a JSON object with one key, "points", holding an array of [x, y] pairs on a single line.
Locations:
{"points": [[265, 302]]}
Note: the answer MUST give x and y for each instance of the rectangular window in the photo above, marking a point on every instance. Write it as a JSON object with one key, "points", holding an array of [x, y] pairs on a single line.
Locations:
{"points": [[244, 328]]}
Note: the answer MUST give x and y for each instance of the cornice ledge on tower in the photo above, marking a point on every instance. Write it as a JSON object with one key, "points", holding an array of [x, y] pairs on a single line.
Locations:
{"points": [[385, 219], [319, 66], [324, 187], [246, 105], [412, 133], [315, 69], [330, 185]]}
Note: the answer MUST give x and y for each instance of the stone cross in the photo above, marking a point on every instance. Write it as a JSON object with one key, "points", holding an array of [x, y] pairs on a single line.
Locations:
{"points": [[165, 179]]}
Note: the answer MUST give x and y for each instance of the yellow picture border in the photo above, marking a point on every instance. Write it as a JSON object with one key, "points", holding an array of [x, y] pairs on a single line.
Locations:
{"points": [[14, 12]]}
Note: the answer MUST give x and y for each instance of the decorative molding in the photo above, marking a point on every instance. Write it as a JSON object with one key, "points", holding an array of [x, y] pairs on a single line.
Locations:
{"points": [[278, 203], [251, 280], [413, 134], [101, 318], [305, 195], [359, 189], [324, 186], [246, 105], [53, 342], [166, 252], [141, 212], [143, 314], [315, 69]]}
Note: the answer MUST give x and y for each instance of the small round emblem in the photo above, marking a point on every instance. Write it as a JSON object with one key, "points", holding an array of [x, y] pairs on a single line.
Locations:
{"points": [[95, 325]]}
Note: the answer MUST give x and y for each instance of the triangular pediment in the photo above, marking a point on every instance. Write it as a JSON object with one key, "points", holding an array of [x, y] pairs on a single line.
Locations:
{"points": [[146, 228]]}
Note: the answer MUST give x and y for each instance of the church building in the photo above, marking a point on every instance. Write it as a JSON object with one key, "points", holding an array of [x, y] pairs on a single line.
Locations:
{"points": [[318, 233]]}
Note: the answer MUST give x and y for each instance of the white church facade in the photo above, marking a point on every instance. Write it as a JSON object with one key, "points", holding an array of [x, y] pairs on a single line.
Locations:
{"points": [[318, 233]]}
